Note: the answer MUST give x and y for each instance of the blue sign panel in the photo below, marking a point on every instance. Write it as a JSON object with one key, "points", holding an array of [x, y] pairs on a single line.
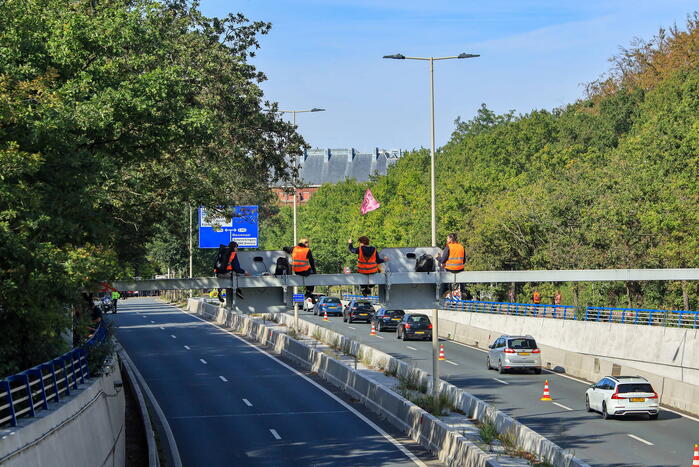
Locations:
{"points": [[238, 225], [298, 298]]}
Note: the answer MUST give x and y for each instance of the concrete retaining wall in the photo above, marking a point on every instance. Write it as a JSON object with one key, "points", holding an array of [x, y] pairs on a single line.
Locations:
{"points": [[667, 357], [450, 447], [85, 430]]}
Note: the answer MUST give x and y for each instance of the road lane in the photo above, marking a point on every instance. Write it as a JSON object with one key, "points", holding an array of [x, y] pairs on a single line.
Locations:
{"points": [[287, 420], [566, 422]]}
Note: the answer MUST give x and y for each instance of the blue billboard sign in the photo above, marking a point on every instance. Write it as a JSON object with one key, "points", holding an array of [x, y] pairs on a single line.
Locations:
{"points": [[239, 224]]}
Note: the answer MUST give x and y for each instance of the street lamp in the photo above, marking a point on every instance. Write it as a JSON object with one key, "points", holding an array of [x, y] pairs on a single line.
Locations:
{"points": [[293, 113], [435, 313]]}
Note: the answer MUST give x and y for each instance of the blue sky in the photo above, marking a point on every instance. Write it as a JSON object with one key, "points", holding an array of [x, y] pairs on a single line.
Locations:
{"points": [[534, 55]]}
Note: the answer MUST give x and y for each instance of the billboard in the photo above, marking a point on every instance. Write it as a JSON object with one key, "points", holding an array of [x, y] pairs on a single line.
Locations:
{"points": [[239, 224]]}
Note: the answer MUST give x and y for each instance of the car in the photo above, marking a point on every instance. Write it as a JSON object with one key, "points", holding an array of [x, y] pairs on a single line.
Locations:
{"points": [[622, 395], [329, 305], [358, 310], [514, 352], [387, 320], [414, 326]]}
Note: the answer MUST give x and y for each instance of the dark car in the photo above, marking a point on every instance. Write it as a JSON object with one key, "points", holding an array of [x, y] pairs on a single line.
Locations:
{"points": [[358, 310], [387, 320], [329, 305], [414, 326]]}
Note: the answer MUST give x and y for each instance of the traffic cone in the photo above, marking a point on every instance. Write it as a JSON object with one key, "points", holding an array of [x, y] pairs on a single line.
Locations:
{"points": [[696, 455], [373, 330], [325, 315], [441, 352], [546, 396]]}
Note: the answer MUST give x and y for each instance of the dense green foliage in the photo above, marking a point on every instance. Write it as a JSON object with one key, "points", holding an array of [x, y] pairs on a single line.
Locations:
{"points": [[115, 116], [611, 181]]}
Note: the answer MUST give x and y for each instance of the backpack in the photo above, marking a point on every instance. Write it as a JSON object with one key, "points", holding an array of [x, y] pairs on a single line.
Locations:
{"points": [[425, 263], [221, 264], [282, 267]]}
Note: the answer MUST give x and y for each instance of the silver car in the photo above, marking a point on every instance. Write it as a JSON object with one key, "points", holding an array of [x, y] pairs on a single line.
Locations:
{"points": [[514, 352]]}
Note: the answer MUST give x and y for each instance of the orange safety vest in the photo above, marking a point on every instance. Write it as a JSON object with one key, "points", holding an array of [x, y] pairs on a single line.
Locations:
{"points": [[367, 265], [537, 298], [456, 257], [229, 267], [299, 259]]}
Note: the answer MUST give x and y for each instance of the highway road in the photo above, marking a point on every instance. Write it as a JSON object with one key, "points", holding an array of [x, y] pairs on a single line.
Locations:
{"points": [[636, 441], [228, 403]]}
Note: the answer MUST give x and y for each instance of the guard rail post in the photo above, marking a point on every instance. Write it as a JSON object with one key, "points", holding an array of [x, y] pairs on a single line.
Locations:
{"points": [[39, 373], [10, 403]]}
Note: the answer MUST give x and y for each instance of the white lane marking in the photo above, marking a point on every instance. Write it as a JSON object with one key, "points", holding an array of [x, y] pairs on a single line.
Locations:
{"points": [[275, 434], [411, 348], [562, 406], [354, 411], [152, 322], [247, 402], [270, 414], [351, 327], [173, 336], [449, 361], [203, 361], [187, 347], [145, 317], [162, 328], [501, 381], [380, 337], [640, 439], [578, 380], [223, 378]]}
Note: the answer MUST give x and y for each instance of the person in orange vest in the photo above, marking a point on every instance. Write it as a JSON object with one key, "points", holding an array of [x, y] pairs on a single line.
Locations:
{"points": [[233, 265], [368, 260], [452, 259], [302, 263], [536, 297]]}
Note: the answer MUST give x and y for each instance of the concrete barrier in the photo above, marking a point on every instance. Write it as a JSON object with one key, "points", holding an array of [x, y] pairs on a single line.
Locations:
{"points": [[667, 357], [87, 429], [433, 434]]}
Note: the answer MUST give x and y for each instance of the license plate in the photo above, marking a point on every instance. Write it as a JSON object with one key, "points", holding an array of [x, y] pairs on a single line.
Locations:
{"points": [[395, 319], [419, 332], [637, 399], [524, 353], [363, 314]]}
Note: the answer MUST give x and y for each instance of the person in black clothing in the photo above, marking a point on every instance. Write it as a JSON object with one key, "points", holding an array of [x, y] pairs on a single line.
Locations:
{"points": [[368, 260], [232, 266], [302, 262]]}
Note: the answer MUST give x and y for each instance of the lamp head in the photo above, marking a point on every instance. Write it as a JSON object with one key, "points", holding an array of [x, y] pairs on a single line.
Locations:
{"points": [[315, 109], [395, 56], [468, 55]]}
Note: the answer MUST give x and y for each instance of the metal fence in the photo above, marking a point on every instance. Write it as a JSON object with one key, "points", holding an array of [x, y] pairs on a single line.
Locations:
{"points": [[30, 391], [641, 316]]}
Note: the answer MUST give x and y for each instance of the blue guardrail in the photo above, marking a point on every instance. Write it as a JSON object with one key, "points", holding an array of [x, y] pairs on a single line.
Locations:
{"points": [[25, 393]]}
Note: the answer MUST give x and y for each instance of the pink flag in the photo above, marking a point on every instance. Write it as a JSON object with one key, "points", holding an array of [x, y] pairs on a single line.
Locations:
{"points": [[369, 203]]}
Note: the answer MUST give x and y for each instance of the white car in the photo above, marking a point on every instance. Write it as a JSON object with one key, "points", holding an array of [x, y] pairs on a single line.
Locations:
{"points": [[514, 352], [622, 395]]}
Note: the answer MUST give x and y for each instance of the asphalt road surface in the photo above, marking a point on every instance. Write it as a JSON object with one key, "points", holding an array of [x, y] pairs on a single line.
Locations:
{"points": [[637, 441], [228, 403]]}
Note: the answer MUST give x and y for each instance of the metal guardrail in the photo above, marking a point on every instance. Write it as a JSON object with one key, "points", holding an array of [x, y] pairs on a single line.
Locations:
{"points": [[640, 316], [25, 393]]}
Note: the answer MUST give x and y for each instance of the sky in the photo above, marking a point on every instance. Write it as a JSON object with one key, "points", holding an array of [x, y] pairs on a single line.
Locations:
{"points": [[534, 55]]}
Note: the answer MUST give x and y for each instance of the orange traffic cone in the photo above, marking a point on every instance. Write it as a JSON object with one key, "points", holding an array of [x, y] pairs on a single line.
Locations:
{"points": [[373, 330], [696, 455], [441, 352], [325, 315], [546, 396]]}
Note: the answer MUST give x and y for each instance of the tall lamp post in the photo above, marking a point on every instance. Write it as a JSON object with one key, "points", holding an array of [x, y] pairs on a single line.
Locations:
{"points": [[293, 114], [293, 117], [435, 312]]}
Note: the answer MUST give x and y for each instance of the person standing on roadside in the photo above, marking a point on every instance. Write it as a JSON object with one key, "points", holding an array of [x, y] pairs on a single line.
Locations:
{"points": [[115, 297], [536, 297], [302, 263], [368, 260]]}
